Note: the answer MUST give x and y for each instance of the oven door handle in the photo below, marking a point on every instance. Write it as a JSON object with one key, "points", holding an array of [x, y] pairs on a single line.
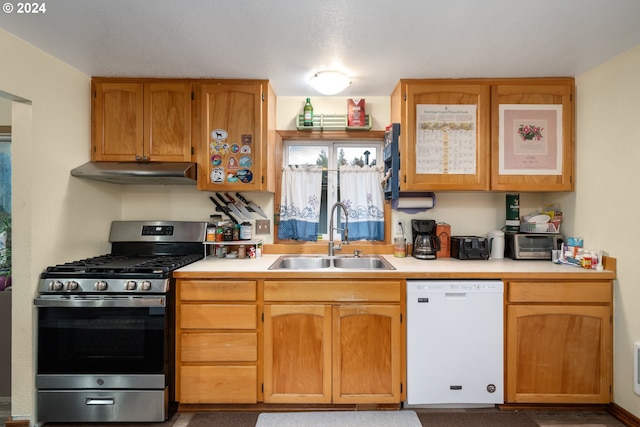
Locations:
{"points": [[99, 401], [80, 301]]}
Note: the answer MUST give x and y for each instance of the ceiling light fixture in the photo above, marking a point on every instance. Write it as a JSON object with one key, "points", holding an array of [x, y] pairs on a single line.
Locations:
{"points": [[329, 82]]}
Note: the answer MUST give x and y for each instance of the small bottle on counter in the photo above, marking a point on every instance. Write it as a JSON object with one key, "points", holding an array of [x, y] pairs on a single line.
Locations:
{"points": [[242, 252]]}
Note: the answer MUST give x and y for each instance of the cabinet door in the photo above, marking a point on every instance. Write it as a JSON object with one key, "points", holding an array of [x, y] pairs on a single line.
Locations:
{"points": [[366, 359], [297, 353], [231, 137], [117, 115], [167, 122], [521, 164], [462, 155], [558, 354]]}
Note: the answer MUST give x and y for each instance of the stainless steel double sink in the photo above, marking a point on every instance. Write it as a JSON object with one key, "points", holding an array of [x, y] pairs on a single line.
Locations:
{"points": [[314, 262]]}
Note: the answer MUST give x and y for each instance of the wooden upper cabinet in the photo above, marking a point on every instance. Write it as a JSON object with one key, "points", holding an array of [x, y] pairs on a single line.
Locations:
{"points": [[235, 129], [417, 173], [505, 160], [167, 122], [117, 121], [134, 120], [529, 163]]}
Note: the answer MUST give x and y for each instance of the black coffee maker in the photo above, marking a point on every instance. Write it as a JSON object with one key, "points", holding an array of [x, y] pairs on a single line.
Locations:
{"points": [[425, 241]]}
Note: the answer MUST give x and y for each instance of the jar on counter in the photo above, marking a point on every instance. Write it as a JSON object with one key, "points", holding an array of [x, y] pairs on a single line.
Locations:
{"points": [[228, 233], [242, 251], [245, 231], [211, 234]]}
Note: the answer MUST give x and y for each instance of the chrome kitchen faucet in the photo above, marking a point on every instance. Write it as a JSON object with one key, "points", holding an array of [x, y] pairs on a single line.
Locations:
{"points": [[345, 230]]}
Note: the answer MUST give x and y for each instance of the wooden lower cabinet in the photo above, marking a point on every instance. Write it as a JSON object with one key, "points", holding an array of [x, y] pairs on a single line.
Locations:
{"points": [[297, 353], [366, 354], [217, 342], [332, 352], [559, 342]]}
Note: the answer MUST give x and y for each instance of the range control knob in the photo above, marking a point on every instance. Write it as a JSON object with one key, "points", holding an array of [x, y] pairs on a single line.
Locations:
{"points": [[130, 285], [145, 285], [56, 285], [72, 285], [101, 285]]}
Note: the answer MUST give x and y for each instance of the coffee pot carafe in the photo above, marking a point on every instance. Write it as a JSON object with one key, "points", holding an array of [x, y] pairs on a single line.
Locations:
{"points": [[425, 243]]}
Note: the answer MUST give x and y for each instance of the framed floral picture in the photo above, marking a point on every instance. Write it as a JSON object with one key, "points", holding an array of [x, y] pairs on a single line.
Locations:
{"points": [[530, 139]]}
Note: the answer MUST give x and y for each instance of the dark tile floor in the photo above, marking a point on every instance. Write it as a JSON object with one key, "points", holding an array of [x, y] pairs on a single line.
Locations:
{"points": [[428, 417]]}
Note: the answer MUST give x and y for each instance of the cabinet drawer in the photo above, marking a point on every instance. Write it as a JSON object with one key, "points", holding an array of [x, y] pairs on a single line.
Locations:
{"points": [[218, 347], [332, 290], [213, 290], [563, 292], [218, 384], [218, 316]]}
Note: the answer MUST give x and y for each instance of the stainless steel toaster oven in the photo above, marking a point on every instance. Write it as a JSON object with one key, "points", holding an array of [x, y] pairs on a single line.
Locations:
{"points": [[531, 245]]}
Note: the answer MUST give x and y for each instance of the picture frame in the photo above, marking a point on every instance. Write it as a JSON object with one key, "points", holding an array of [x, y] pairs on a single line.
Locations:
{"points": [[530, 139]]}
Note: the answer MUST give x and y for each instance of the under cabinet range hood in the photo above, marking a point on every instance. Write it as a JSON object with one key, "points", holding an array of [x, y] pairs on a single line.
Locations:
{"points": [[159, 173]]}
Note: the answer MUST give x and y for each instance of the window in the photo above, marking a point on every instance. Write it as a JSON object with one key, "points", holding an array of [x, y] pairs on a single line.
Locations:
{"points": [[331, 155]]}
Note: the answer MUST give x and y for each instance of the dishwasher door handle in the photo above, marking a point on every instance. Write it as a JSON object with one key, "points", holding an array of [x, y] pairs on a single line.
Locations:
{"points": [[455, 295]]}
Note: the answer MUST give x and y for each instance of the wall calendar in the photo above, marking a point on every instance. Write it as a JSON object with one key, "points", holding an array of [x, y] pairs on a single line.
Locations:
{"points": [[446, 139]]}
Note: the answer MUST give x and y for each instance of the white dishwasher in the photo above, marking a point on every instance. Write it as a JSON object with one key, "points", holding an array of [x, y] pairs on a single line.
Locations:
{"points": [[455, 343]]}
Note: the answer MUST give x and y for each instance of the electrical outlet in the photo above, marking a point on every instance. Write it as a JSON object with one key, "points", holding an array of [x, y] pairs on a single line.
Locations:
{"points": [[399, 229], [263, 226]]}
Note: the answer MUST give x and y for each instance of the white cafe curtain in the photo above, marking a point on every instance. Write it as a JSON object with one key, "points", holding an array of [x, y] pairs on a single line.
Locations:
{"points": [[300, 202], [361, 192]]}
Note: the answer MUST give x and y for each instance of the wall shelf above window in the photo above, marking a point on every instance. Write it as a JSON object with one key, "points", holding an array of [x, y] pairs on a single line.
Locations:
{"points": [[330, 122], [343, 135]]}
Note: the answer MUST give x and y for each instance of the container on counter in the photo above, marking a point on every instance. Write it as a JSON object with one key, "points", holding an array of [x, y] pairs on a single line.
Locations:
{"points": [[399, 247], [245, 231], [211, 234], [221, 251], [242, 251], [512, 218], [228, 233]]}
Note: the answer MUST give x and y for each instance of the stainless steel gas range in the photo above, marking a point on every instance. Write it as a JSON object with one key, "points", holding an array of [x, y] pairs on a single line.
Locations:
{"points": [[105, 326]]}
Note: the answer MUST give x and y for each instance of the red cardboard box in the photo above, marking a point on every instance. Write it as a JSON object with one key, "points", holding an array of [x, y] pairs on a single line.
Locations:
{"points": [[443, 231], [355, 112]]}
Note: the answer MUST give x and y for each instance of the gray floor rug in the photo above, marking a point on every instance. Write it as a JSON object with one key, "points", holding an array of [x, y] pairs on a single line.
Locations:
{"points": [[340, 419], [476, 419]]}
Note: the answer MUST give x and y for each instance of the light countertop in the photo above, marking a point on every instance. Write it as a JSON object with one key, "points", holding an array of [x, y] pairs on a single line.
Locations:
{"points": [[409, 267]]}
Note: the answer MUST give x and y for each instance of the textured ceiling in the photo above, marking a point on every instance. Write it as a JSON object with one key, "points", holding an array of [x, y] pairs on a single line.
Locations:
{"points": [[376, 42]]}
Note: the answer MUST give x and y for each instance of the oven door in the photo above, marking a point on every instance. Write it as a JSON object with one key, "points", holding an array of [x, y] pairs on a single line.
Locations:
{"points": [[97, 341]]}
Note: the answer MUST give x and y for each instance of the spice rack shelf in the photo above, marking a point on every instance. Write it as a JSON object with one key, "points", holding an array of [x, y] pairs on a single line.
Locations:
{"points": [[331, 122], [215, 247], [234, 242]]}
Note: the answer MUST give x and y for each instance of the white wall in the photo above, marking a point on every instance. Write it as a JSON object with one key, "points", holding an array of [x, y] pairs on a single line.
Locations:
{"points": [[5, 112], [606, 198], [55, 217]]}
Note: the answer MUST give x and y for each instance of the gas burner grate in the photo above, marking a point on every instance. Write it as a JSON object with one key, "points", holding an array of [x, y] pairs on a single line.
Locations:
{"points": [[115, 264]]}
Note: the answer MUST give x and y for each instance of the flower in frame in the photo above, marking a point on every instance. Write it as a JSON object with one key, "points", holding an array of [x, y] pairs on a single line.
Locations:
{"points": [[530, 132]]}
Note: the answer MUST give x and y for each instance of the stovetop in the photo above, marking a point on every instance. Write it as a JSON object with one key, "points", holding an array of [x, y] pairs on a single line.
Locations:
{"points": [[143, 255], [122, 265]]}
